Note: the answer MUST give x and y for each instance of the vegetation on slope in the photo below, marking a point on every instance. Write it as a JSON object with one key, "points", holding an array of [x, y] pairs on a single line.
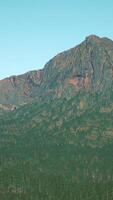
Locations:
{"points": [[58, 150]]}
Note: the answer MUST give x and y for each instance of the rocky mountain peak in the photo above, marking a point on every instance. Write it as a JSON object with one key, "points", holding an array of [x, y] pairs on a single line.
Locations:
{"points": [[93, 38]]}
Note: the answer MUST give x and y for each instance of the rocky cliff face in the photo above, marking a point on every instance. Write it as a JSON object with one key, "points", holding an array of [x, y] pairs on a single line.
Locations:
{"points": [[88, 67], [20, 89]]}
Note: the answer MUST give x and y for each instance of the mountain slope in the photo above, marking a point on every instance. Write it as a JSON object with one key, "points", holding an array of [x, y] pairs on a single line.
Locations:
{"points": [[58, 150], [89, 67], [58, 145]]}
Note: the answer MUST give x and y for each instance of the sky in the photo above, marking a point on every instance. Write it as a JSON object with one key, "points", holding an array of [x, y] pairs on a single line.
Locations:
{"points": [[33, 31]]}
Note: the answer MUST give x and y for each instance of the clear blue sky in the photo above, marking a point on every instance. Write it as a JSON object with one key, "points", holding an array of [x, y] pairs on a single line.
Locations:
{"points": [[33, 31]]}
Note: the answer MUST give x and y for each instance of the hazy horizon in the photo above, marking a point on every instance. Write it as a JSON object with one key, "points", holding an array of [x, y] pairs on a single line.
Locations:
{"points": [[32, 32]]}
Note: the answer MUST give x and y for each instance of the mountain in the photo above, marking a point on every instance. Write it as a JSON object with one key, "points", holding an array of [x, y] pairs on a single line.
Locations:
{"points": [[87, 67], [58, 145]]}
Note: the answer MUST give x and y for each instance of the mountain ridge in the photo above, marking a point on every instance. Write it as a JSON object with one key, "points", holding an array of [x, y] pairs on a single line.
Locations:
{"points": [[87, 66]]}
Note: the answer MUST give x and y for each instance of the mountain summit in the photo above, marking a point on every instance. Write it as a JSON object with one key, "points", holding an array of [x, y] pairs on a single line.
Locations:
{"points": [[87, 67]]}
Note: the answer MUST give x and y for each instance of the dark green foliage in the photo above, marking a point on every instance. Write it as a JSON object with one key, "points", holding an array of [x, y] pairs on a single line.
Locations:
{"points": [[60, 150]]}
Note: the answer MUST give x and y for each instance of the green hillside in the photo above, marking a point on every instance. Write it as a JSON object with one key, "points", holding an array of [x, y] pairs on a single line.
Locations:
{"points": [[60, 150]]}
